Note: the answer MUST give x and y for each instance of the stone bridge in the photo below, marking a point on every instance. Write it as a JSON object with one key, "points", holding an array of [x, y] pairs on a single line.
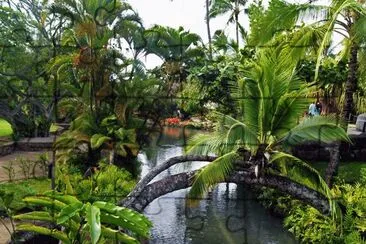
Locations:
{"points": [[145, 192]]}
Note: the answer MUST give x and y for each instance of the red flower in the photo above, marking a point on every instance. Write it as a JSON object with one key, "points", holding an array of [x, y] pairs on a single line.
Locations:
{"points": [[172, 121]]}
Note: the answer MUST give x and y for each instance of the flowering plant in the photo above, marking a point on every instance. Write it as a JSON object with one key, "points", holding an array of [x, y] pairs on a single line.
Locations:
{"points": [[172, 121]]}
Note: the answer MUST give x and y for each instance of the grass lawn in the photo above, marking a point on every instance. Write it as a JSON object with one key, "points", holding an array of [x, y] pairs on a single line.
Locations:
{"points": [[5, 128], [349, 171], [24, 188]]}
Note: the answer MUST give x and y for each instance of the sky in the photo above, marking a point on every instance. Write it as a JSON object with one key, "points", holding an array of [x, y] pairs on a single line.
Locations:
{"points": [[191, 15], [174, 13]]}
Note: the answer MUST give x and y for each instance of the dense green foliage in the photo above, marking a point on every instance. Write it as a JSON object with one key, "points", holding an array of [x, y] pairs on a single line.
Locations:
{"points": [[108, 183], [270, 100], [94, 222], [81, 62], [22, 189]]}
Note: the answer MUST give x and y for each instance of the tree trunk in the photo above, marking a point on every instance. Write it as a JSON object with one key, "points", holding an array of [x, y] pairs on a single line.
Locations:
{"points": [[239, 165], [237, 22], [184, 180], [208, 27], [351, 85]]}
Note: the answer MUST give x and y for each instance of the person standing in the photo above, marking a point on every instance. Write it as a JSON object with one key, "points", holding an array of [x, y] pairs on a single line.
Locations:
{"points": [[319, 108], [312, 109]]}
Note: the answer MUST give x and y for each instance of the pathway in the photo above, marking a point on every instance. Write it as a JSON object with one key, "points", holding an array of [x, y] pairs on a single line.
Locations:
{"points": [[15, 158]]}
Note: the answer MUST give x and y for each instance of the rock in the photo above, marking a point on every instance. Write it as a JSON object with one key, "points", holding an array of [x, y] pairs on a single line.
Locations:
{"points": [[361, 122]]}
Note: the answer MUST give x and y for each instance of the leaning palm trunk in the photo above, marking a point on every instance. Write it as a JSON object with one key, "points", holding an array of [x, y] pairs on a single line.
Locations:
{"points": [[351, 84]]}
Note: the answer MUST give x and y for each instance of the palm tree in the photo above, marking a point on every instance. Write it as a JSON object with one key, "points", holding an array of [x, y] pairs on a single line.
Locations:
{"points": [[220, 7], [270, 102], [207, 5], [91, 33], [176, 47], [344, 17]]}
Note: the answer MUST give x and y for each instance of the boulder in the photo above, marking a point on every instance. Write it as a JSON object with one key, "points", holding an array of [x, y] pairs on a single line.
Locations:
{"points": [[361, 122]]}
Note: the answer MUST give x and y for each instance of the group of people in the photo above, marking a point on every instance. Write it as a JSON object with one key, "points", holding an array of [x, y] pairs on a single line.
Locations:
{"points": [[315, 109]]}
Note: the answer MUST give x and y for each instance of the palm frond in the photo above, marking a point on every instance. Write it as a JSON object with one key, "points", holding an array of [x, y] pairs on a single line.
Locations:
{"points": [[301, 172], [237, 133], [219, 7], [337, 8], [323, 129], [302, 41], [288, 110], [205, 144], [215, 172], [282, 16]]}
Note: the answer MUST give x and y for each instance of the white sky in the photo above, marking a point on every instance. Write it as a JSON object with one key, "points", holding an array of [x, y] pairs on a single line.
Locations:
{"points": [[191, 15], [174, 13]]}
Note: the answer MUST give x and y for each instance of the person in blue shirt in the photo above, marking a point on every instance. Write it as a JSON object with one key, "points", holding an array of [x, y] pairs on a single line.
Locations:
{"points": [[312, 109]]}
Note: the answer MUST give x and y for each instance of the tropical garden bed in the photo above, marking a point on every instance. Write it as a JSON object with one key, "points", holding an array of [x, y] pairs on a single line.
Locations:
{"points": [[80, 64]]}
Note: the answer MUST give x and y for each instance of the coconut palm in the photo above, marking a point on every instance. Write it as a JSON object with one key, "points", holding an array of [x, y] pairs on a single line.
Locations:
{"points": [[176, 47], [270, 102], [344, 17], [234, 7]]}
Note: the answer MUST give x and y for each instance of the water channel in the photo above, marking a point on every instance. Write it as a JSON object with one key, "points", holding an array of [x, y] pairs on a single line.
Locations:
{"points": [[229, 214]]}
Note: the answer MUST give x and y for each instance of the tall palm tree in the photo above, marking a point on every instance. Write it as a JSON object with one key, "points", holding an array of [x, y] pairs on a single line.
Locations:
{"points": [[91, 33], [176, 47], [207, 17], [344, 17], [270, 102], [234, 7]]}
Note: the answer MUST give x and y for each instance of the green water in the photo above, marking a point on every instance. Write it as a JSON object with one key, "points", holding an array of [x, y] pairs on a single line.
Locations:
{"points": [[228, 215]]}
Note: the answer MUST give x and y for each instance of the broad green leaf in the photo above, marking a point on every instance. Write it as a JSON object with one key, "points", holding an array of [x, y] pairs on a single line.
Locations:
{"points": [[109, 120], [118, 236], [45, 202], [36, 215], [44, 216], [93, 220], [139, 229], [97, 140], [131, 217], [68, 212], [68, 199], [44, 231]]}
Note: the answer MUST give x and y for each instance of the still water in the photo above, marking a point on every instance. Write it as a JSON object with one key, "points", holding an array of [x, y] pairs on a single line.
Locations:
{"points": [[227, 215]]}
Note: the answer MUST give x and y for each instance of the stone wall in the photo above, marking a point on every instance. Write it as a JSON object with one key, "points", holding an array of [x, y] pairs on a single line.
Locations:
{"points": [[319, 152], [35, 144], [6, 148]]}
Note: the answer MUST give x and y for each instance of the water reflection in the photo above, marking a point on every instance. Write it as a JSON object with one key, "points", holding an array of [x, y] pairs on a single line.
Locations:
{"points": [[227, 215]]}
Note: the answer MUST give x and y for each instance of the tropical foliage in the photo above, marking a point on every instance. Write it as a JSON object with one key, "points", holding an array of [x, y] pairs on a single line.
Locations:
{"points": [[93, 222], [82, 63], [270, 100]]}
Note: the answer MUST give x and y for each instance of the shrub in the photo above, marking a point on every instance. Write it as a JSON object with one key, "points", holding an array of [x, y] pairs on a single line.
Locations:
{"points": [[106, 183]]}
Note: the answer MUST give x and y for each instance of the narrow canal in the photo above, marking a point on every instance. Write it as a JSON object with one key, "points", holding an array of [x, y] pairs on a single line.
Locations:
{"points": [[229, 214]]}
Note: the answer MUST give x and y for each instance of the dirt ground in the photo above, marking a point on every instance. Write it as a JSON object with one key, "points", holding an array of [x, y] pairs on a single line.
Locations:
{"points": [[15, 158], [4, 234]]}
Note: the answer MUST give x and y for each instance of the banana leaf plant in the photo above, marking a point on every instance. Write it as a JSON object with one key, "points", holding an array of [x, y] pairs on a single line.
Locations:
{"points": [[91, 222], [109, 135]]}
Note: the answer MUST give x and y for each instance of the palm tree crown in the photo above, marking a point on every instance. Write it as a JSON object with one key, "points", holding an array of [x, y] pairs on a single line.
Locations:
{"points": [[271, 100]]}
